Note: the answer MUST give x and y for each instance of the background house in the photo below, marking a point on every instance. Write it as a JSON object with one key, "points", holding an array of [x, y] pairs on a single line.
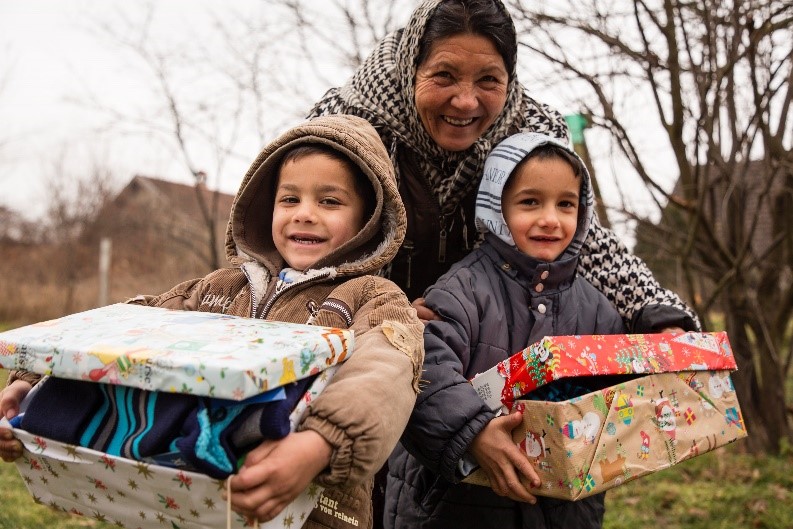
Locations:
{"points": [[750, 191], [156, 223], [160, 236]]}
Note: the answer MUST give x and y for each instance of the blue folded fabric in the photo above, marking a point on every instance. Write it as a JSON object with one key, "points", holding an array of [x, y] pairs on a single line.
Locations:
{"points": [[197, 433], [558, 391]]}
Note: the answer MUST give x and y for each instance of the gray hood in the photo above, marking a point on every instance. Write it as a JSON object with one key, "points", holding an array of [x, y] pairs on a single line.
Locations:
{"points": [[498, 168]]}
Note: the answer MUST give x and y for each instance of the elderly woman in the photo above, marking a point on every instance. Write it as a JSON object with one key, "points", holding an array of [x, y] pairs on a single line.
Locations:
{"points": [[441, 92]]}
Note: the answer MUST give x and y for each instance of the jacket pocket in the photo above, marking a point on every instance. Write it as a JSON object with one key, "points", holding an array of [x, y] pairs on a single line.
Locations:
{"points": [[432, 488]]}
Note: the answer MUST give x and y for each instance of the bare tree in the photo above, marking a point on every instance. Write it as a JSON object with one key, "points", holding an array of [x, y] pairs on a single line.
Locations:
{"points": [[211, 93], [718, 77], [245, 75], [74, 201], [16, 229], [360, 23]]}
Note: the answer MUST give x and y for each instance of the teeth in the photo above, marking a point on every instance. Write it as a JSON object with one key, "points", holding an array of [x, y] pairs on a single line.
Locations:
{"points": [[458, 122], [305, 241]]}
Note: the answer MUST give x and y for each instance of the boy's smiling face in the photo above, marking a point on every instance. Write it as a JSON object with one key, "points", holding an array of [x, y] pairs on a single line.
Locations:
{"points": [[540, 206], [317, 209]]}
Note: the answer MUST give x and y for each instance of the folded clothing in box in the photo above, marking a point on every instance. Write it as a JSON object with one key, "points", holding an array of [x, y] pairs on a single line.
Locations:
{"points": [[167, 389], [186, 431], [641, 403]]}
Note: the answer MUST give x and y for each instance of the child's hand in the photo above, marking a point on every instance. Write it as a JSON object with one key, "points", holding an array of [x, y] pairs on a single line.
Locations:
{"points": [[10, 398], [10, 446], [276, 472], [502, 460]]}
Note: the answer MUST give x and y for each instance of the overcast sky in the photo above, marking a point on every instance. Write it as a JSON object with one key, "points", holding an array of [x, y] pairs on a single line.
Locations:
{"points": [[47, 57], [53, 60]]}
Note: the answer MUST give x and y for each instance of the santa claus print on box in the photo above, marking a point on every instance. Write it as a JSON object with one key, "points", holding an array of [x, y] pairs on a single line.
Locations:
{"points": [[671, 399]]}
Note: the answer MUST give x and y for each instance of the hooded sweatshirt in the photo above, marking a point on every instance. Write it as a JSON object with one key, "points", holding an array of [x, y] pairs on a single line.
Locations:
{"points": [[493, 303], [341, 290]]}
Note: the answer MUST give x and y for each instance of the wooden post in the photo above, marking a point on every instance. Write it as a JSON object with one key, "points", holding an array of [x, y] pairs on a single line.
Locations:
{"points": [[104, 270], [577, 123]]}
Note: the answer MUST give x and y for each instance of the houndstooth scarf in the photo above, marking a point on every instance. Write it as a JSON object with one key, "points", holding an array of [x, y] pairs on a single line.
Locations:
{"points": [[382, 91]]}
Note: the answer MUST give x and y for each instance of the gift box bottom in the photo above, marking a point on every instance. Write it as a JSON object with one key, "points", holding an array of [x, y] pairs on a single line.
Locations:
{"points": [[132, 494], [592, 443]]}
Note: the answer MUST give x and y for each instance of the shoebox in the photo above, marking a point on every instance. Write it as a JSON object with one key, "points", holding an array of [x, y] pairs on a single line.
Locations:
{"points": [[137, 495], [154, 349], [649, 402]]}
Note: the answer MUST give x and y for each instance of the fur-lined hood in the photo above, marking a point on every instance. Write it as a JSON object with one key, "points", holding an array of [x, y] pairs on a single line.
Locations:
{"points": [[249, 236]]}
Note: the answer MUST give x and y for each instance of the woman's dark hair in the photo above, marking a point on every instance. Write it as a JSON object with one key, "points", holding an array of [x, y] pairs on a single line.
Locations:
{"points": [[477, 17], [363, 186]]}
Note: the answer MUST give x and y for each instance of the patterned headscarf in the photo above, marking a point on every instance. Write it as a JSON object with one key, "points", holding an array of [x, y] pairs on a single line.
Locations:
{"points": [[382, 91]]}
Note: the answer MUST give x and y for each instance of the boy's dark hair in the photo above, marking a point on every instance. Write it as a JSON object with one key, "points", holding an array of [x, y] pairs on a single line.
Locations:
{"points": [[551, 151], [363, 186]]}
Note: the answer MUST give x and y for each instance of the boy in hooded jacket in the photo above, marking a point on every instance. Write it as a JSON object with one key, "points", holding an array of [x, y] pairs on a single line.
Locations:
{"points": [[316, 218], [534, 205]]}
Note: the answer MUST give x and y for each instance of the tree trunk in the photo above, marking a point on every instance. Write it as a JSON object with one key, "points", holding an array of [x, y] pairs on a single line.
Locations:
{"points": [[759, 383]]}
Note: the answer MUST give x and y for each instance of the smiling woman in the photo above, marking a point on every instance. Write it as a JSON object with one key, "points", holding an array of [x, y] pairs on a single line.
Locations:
{"points": [[441, 92]]}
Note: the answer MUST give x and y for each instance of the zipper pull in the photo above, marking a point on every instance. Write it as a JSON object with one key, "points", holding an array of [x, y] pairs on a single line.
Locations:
{"points": [[442, 246], [408, 245], [465, 230]]}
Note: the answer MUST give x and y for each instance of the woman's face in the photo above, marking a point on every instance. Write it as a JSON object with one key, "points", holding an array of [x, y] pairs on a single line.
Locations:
{"points": [[461, 88]]}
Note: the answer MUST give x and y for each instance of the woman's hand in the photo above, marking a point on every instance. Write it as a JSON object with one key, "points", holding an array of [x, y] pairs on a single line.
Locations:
{"points": [[503, 461], [276, 472], [424, 313]]}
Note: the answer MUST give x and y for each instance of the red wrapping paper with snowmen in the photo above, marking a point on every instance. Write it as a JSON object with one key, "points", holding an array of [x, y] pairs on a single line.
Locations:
{"points": [[674, 400]]}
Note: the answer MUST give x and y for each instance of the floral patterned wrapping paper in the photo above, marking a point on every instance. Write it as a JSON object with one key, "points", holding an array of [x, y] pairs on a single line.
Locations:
{"points": [[158, 349], [136, 495], [677, 402]]}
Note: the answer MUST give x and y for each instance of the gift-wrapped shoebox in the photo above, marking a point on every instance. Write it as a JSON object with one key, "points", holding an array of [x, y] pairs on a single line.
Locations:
{"points": [[157, 349], [658, 399]]}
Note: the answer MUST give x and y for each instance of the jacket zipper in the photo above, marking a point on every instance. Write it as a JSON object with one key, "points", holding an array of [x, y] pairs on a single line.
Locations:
{"points": [[442, 241], [275, 296], [408, 245], [254, 302]]}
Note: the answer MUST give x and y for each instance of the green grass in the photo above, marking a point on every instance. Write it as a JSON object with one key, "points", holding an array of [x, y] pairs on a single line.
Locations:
{"points": [[723, 489], [719, 490]]}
